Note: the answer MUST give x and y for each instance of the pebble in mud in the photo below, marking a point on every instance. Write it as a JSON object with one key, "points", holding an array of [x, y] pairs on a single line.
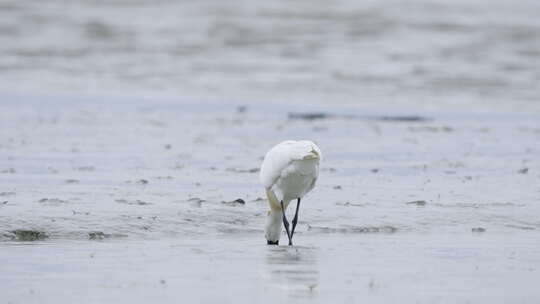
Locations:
{"points": [[252, 170], [478, 229], [417, 203], [523, 171], [310, 116], [100, 235], [349, 204], [236, 202], [135, 202], [241, 109], [97, 235], [74, 212], [52, 201], [28, 235]]}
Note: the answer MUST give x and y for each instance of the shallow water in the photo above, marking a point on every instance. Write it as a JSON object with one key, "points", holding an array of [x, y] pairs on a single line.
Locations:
{"points": [[136, 199], [129, 128], [408, 267]]}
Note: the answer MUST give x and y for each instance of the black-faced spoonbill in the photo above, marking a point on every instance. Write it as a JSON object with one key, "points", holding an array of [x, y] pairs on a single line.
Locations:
{"points": [[289, 171]]}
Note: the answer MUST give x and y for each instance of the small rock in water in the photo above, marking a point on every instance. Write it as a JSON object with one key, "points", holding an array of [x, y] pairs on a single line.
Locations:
{"points": [[523, 171], [418, 203], [135, 202], [52, 201], [237, 201], [97, 235], [338, 187], [241, 109], [374, 170], [403, 118], [308, 116], [252, 170], [478, 229], [142, 182], [80, 212], [28, 235]]}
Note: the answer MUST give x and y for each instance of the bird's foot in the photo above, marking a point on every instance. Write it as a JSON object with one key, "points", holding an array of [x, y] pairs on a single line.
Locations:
{"points": [[268, 242]]}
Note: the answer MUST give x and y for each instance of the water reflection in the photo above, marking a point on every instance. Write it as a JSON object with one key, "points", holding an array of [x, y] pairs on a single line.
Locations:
{"points": [[293, 269]]}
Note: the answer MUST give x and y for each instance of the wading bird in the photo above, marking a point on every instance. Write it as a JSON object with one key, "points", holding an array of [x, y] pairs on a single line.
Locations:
{"points": [[289, 171]]}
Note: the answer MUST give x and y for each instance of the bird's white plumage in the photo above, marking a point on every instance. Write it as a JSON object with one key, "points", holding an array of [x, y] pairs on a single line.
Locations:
{"points": [[282, 155], [289, 171]]}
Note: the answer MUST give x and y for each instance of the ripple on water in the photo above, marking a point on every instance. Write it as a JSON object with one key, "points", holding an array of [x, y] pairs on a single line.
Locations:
{"points": [[294, 268]]}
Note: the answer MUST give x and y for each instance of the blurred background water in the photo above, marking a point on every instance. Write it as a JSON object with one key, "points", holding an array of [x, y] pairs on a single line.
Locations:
{"points": [[477, 53]]}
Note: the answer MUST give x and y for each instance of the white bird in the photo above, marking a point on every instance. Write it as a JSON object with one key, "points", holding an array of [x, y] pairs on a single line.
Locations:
{"points": [[289, 171]]}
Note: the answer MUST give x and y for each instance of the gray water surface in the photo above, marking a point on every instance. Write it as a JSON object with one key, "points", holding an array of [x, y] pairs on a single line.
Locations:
{"points": [[132, 202], [415, 53], [128, 129]]}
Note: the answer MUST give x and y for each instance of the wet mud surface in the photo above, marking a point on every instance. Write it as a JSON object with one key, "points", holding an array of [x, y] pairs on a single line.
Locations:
{"points": [[167, 201]]}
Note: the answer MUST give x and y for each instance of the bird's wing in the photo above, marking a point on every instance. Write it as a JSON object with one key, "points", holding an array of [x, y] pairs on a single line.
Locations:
{"points": [[281, 155]]}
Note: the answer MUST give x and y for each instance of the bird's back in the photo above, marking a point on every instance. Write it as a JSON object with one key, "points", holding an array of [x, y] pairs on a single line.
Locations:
{"points": [[291, 168]]}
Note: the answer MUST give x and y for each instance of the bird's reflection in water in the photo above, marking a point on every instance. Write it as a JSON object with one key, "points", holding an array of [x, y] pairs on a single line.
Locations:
{"points": [[293, 269]]}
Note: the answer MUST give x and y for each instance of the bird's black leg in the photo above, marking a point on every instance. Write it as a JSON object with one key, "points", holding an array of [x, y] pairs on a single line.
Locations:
{"points": [[295, 219], [286, 224]]}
